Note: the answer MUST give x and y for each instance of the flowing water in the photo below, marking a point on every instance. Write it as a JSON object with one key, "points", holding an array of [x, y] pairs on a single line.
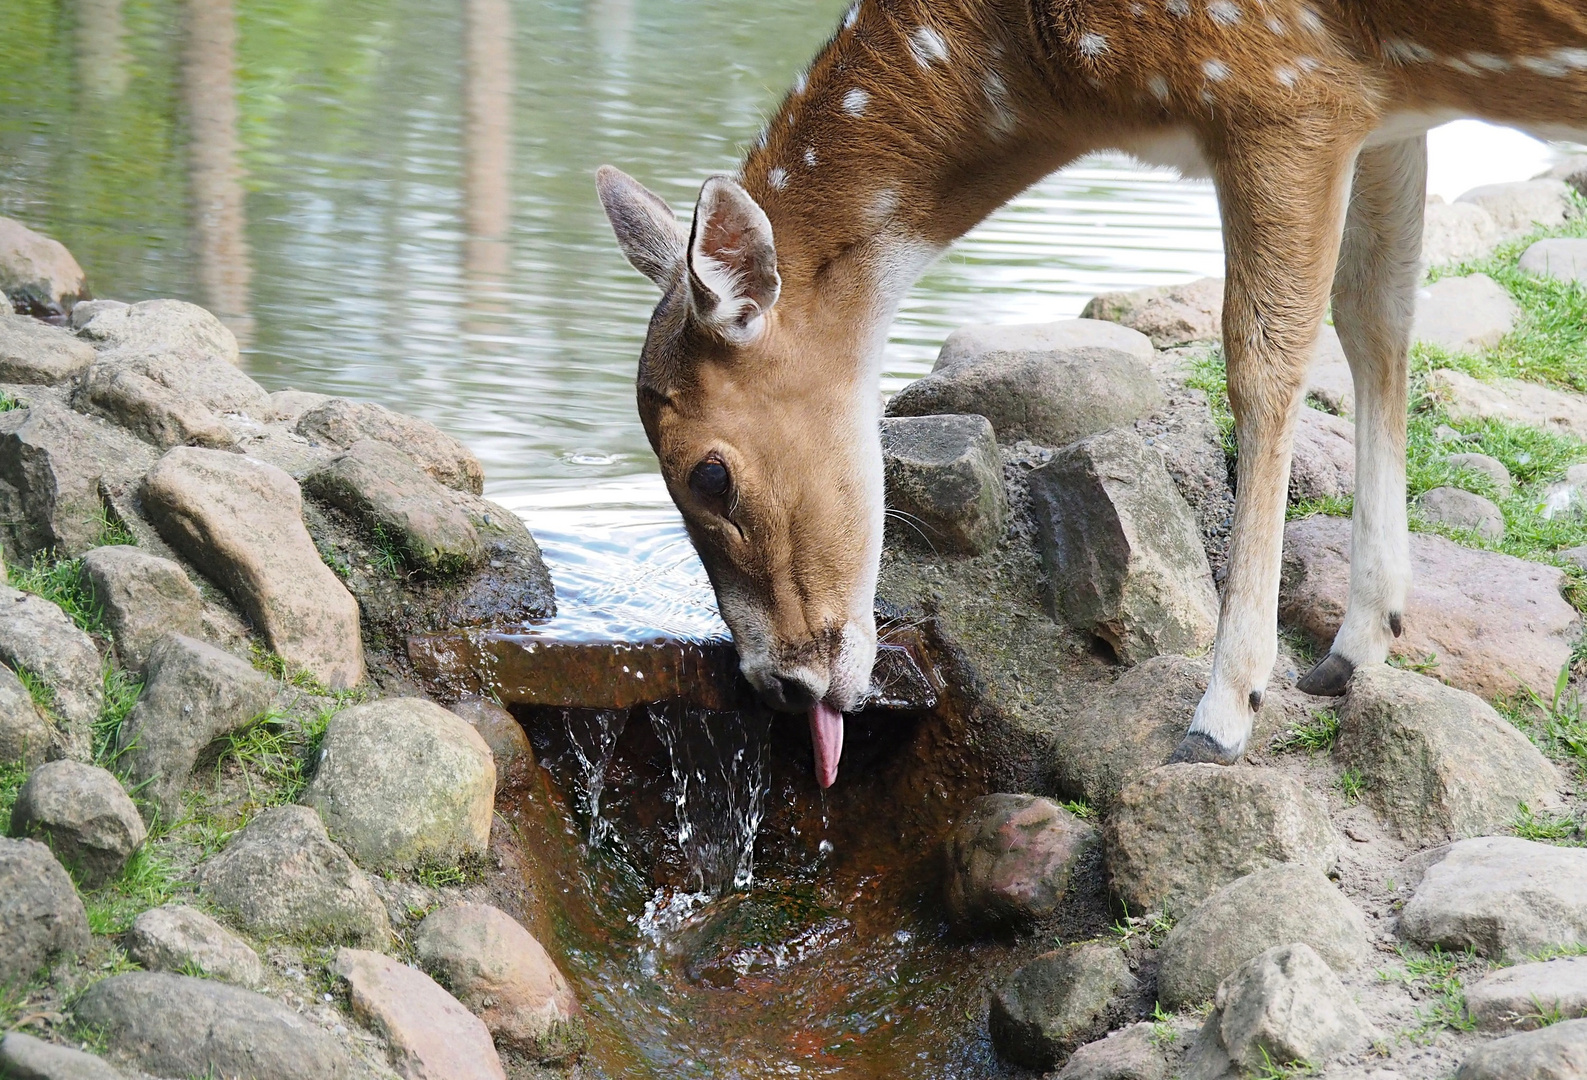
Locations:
{"points": [[393, 200]]}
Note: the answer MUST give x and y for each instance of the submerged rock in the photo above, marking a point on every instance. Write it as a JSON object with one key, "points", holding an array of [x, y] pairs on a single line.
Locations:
{"points": [[1123, 558], [430, 1032], [38, 637], [38, 274], [183, 939], [42, 919], [35, 352], [83, 814], [339, 423], [143, 597], [1437, 763], [1059, 1001], [1168, 314], [1558, 1052], [945, 477], [1010, 859], [753, 934], [1530, 996], [22, 1057]]}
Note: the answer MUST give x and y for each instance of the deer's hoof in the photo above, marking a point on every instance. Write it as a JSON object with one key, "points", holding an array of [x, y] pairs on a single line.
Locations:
{"points": [[1196, 748], [1329, 678]]}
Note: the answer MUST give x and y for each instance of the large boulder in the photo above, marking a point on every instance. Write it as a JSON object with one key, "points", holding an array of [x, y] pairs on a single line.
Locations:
{"points": [[1520, 206], [241, 522], [25, 735], [429, 1031], [1455, 232], [1281, 1006], [1505, 897], [1181, 832], [1123, 558], [339, 424], [194, 694], [42, 919], [37, 636], [1059, 1001], [1557, 1052], [390, 496], [1167, 314], [1248, 916], [179, 938], [1515, 401], [23, 1057], [282, 875], [1529, 996], [403, 782], [944, 482], [1495, 623], [143, 597], [1560, 258], [85, 817], [177, 1025], [1463, 314], [1324, 463], [37, 273], [175, 329], [504, 976], [1010, 859], [1037, 383], [149, 409], [35, 352], [1437, 763]]}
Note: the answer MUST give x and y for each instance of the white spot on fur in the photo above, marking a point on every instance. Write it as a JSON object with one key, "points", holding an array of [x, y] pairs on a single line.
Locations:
{"points": [[1545, 66], [801, 83], [1003, 119], [854, 102], [884, 204], [1223, 12], [1276, 25], [1307, 64], [928, 47], [1461, 66], [1309, 20], [1400, 51], [777, 178], [1137, 10], [1576, 58], [1207, 98], [1158, 86], [1487, 61], [1216, 70], [850, 16], [1179, 8], [810, 157], [1286, 76], [1093, 45]]}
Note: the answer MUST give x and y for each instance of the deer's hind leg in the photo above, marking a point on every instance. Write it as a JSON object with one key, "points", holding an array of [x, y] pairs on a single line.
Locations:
{"points": [[1374, 299]]}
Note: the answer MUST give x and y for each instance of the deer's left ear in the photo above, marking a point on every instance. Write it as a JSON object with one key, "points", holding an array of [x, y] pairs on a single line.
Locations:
{"points": [[732, 261]]}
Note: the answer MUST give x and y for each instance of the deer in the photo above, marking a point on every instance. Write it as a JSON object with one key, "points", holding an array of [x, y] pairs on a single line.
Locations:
{"points": [[758, 381]]}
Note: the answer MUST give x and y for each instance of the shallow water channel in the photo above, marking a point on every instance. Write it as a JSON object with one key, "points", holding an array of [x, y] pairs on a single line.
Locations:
{"points": [[393, 200]]}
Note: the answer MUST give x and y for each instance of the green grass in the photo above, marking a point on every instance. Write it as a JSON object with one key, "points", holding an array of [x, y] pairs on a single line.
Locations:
{"points": [[113, 531], [1150, 929], [1547, 828], [1437, 977], [1289, 1070], [60, 582], [387, 554], [1080, 809], [12, 777], [1557, 727], [121, 694], [1315, 735], [148, 881], [1352, 785], [42, 693]]}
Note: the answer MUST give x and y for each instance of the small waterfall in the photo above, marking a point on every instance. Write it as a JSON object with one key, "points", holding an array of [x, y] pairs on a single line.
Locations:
{"points": [[593, 735], [719, 763]]}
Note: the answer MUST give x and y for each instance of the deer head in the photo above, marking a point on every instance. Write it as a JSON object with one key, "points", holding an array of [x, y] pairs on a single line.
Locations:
{"points": [[762, 409]]}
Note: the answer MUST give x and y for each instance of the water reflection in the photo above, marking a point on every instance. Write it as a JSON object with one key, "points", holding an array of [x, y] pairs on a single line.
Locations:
{"points": [[101, 54]]}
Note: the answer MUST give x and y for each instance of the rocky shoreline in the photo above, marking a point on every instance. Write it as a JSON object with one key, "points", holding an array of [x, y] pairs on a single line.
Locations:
{"points": [[248, 840]]}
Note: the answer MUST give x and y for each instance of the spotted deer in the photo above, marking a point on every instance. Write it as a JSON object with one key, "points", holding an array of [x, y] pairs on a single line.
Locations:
{"points": [[758, 380]]}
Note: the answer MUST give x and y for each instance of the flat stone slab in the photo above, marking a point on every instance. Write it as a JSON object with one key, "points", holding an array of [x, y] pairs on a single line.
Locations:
{"points": [[1495, 623], [1557, 1052], [1527, 996], [1559, 258], [431, 1034], [1502, 896], [1512, 400], [1463, 314], [36, 352]]}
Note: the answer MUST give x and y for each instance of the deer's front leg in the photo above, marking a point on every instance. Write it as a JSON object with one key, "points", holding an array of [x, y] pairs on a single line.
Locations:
{"points": [[1283, 203]]}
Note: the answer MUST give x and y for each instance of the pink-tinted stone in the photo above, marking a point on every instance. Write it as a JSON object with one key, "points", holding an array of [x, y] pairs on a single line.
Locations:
{"points": [[432, 1036], [1009, 860]]}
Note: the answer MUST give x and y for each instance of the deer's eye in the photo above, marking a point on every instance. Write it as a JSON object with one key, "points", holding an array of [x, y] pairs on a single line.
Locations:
{"points": [[709, 479]]}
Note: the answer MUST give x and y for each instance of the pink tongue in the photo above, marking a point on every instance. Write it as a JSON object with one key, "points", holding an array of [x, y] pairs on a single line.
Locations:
{"points": [[826, 734]]}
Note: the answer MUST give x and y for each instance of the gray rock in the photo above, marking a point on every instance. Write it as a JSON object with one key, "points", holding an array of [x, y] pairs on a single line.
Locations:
{"points": [[149, 409], [1513, 400], [402, 782], [1462, 510], [1529, 996], [1494, 623], [1120, 548], [1329, 382], [193, 695], [1282, 1006], [972, 343], [430, 1032], [38, 636], [1489, 468], [25, 735], [1463, 314], [1568, 497], [176, 1025], [282, 875], [53, 465], [1010, 859], [37, 272], [387, 494], [510, 749], [1456, 232], [1030, 388], [1248, 916], [241, 522], [1187, 437], [1059, 1001], [1572, 169], [505, 977], [1324, 463], [35, 352], [1438, 763], [42, 919], [183, 939], [288, 406], [1558, 1052], [1518, 208], [340, 423], [1130, 1053], [22, 1057], [945, 478], [1560, 258], [1181, 832], [144, 597], [88, 309], [1504, 897], [173, 328], [1576, 556], [1168, 314], [85, 817]]}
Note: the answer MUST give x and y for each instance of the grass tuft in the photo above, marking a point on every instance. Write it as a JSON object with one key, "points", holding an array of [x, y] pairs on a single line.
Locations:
{"points": [[12, 776], [60, 582], [1556, 727], [1352, 785], [1547, 828], [121, 694], [1436, 976], [1316, 735], [1080, 809], [1149, 929], [42, 693], [148, 881]]}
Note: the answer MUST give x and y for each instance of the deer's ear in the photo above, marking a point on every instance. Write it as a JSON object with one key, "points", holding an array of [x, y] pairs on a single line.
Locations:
{"points": [[647, 230], [732, 261]]}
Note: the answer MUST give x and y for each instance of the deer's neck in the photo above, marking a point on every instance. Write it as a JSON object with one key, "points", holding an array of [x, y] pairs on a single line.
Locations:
{"points": [[907, 130]]}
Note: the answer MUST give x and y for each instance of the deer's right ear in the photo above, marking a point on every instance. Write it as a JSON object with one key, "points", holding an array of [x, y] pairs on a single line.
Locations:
{"points": [[647, 230]]}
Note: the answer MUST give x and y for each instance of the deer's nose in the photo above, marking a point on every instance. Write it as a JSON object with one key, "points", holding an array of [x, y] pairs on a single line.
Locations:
{"points": [[790, 692]]}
